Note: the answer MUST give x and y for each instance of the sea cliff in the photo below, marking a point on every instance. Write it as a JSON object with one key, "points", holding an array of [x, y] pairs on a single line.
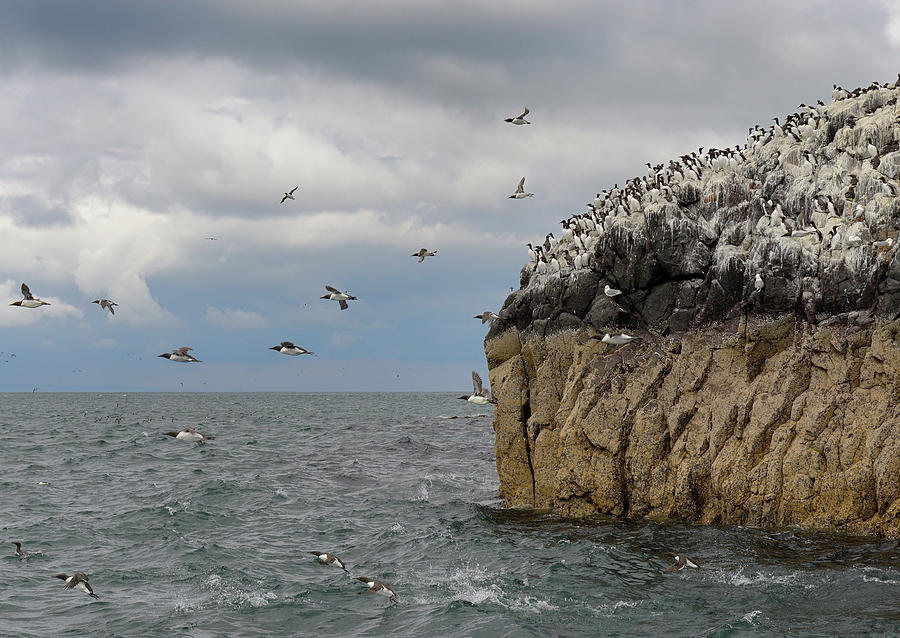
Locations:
{"points": [[764, 284]]}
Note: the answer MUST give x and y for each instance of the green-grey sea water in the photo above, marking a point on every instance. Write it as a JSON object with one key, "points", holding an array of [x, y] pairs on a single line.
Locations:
{"points": [[214, 540]]}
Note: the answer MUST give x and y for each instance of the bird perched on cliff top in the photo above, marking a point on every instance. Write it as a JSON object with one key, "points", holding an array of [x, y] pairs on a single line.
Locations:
{"points": [[758, 283], [618, 340], [338, 296], [486, 316], [423, 253], [29, 300], [519, 119], [106, 304], [520, 191], [180, 355], [611, 292], [479, 395], [289, 194], [329, 559], [681, 561], [79, 581], [376, 586], [884, 243], [288, 348]]}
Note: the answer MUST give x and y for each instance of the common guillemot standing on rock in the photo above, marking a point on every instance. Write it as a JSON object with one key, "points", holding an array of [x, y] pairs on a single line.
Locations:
{"points": [[338, 296], [289, 348], [520, 191], [423, 253], [29, 301], [79, 581], [681, 561], [479, 395], [180, 355], [289, 194], [329, 559], [377, 587], [190, 434], [106, 303], [519, 119]]}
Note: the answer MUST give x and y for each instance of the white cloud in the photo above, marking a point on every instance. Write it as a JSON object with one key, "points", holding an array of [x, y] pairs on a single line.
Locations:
{"points": [[234, 319]]}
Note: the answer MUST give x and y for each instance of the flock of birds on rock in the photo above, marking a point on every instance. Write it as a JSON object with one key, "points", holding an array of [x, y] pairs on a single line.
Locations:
{"points": [[838, 227]]}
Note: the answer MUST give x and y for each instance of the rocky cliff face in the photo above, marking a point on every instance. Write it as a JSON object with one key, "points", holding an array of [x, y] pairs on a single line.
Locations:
{"points": [[765, 286]]}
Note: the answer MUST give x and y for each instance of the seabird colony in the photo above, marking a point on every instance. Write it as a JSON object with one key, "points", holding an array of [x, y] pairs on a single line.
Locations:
{"points": [[836, 171]]}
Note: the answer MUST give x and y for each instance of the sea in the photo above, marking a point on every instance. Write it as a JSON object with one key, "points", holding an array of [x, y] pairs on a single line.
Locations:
{"points": [[180, 539]]}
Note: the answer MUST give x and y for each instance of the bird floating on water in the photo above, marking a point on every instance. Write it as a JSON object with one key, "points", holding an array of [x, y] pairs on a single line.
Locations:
{"points": [[519, 120], [289, 194], [520, 191], [423, 253], [180, 355], [338, 296], [106, 303], [486, 316], [479, 395], [329, 559], [29, 300], [376, 586], [681, 561], [288, 348], [22, 553], [189, 434], [79, 581]]}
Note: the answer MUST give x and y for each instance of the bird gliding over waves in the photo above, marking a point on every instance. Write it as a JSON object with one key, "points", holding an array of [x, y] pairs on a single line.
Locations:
{"points": [[479, 395]]}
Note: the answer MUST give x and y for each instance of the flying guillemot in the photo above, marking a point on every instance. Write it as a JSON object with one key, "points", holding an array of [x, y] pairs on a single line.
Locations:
{"points": [[519, 120], [29, 300], [681, 561], [289, 194], [106, 303], [338, 296], [377, 587], [520, 191], [486, 316], [180, 355], [79, 581], [289, 348], [423, 253], [189, 434], [329, 559], [479, 395]]}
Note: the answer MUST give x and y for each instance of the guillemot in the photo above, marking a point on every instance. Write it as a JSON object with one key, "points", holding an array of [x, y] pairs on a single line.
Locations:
{"points": [[189, 434], [479, 395], [338, 296], [423, 253], [180, 355], [681, 561], [29, 301], [289, 348], [520, 191], [79, 581], [289, 194], [22, 553], [329, 559], [486, 316], [106, 303], [519, 119], [377, 587]]}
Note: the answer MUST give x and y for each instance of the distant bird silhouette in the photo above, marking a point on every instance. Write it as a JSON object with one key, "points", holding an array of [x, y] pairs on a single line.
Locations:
{"points": [[423, 253], [289, 194], [519, 119]]}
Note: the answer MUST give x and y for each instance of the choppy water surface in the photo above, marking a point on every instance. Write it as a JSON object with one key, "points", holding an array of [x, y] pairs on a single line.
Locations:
{"points": [[213, 540]]}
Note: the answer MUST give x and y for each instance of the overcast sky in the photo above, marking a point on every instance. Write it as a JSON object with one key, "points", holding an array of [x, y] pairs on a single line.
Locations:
{"points": [[130, 132]]}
